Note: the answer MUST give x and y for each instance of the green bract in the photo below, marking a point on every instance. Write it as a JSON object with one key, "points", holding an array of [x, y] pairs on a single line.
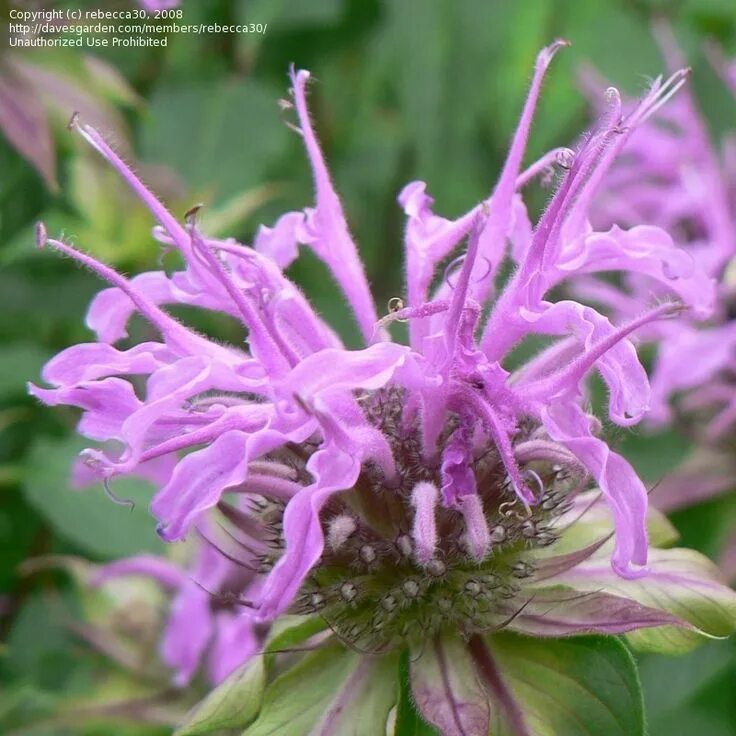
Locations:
{"points": [[553, 671]]}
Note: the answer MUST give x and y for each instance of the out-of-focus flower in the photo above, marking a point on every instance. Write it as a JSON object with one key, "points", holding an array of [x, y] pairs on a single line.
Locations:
{"points": [[200, 622], [402, 496], [670, 174]]}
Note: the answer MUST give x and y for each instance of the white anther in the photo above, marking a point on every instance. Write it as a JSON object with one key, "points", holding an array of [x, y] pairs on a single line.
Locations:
{"points": [[410, 588], [565, 158], [367, 554], [404, 545], [473, 588], [445, 605], [498, 534], [348, 592], [436, 568], [340, 530]]}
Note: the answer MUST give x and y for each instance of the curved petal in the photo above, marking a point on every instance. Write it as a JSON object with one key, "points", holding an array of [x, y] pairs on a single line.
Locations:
{"points": [[645, 250], [624, 491], [200, 478], [90, 360], [325, 229]]}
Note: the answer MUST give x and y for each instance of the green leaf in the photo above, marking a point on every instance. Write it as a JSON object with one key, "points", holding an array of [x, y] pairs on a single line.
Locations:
{"points": [[231, 216], [111, 221], [581, 686], [667, 688], [87, 517], [446, 688], [655, 455], [288, 631], [362, 706], [408, 720], [707, 525], [709, 713], [293, 14], [110, 82], [19, 363], [294, 702], [598, 28], [681, 582], [223, 146], [46, 661], [234, 703]]}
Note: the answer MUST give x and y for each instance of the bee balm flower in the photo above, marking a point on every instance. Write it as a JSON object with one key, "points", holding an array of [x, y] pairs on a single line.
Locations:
{"points": [[395, 497], [398, 491], [671, 175]]}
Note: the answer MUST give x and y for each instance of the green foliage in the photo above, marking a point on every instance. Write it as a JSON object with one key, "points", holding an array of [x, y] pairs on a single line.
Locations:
{"points": [[296, 700], [87, 517], [571, 687], [408, 720], [232, 704], [221, 139]]}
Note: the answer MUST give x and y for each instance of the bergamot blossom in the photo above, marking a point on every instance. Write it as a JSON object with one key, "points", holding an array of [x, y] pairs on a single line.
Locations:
{"points": [[672, 175], [402, 496]]}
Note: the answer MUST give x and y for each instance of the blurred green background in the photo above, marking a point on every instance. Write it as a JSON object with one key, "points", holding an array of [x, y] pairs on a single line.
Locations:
{"points": [[405, 89]]}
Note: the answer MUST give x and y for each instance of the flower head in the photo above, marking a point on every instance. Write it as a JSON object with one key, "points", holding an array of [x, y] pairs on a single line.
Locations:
{"points": [[671, 175], [397, 490], [397, 498]]}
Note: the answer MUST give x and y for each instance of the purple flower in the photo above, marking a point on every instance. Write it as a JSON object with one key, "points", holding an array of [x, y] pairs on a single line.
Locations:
{"points": [[398, 491], [200, 626], [671, 175]]}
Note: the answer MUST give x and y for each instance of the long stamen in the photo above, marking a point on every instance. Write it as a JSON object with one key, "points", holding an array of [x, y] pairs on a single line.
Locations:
{"points": [[573, 373], [555, 156], [404, 314], [507, 181], [659, 93], [269, 485], [205, 434], [167, 220], [235, 560], [659, 96], [271, 347], [499, 434], [174, 332], [276, 469], [544, 450], [499, 203], [252, 544], [498, 335], [477, 536], [424, 499], [460, 295]]}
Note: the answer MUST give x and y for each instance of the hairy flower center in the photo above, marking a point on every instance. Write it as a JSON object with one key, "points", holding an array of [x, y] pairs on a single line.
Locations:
{"points": [[372, 585]]}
